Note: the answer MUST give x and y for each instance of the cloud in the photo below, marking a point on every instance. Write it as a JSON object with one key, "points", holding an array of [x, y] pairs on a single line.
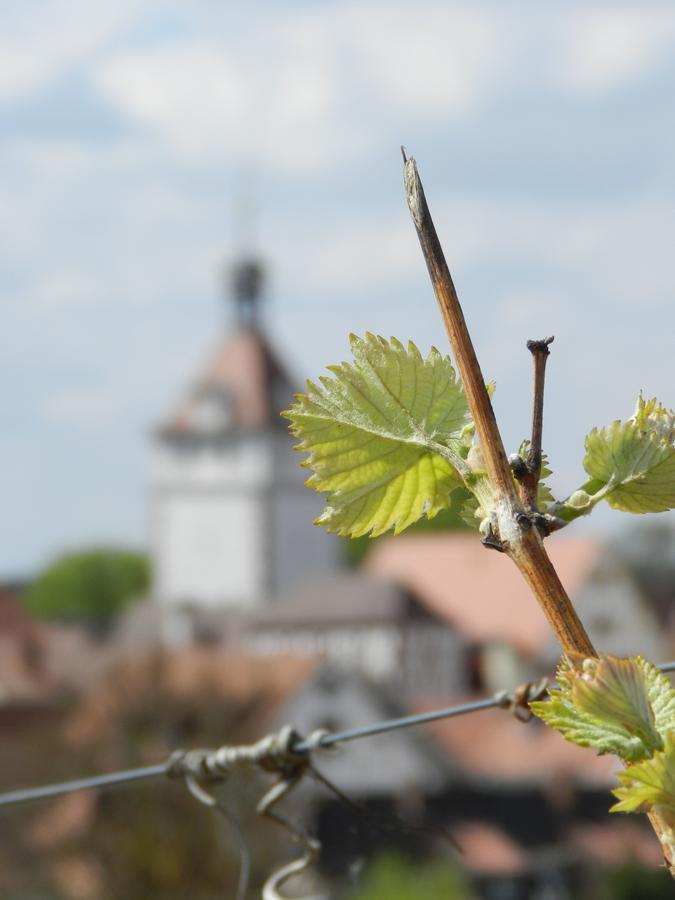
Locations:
{"points": [[191, 93], [436, 60], [40, 41], [326, 85], [201, 101], [484, 233], [602, 50], [313, 87]]}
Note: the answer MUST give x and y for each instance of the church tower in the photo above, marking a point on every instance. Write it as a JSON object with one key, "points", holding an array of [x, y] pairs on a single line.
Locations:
{"points": [[230, 518]]}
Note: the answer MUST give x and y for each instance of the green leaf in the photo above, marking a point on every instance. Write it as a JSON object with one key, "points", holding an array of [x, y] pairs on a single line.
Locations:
{"points": [[636, 460], [385, 436], [471, 512], [649, 783], [616, 690], [661, 694], [607, 704], [631, 464]]}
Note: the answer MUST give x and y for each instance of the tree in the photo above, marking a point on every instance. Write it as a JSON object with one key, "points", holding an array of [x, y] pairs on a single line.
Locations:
{"points": [[90, 585]]}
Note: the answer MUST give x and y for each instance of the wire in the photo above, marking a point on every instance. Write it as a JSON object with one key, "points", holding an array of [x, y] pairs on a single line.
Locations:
{"points": [[13, 798], [353, 734], [339, 737], [80, 784]]}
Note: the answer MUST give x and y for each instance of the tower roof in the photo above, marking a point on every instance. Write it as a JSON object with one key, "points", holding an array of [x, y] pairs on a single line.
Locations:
{"points": [[243, 386]]}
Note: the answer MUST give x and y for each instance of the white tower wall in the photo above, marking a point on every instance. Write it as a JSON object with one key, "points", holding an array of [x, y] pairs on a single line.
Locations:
{"points": [[207, 519], [232, 521]]}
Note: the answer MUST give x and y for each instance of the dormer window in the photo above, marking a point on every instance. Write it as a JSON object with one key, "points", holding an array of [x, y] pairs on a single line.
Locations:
{"points": [[212, 412]]}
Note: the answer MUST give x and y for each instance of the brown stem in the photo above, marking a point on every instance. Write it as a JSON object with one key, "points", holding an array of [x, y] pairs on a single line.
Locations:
{"points": [[529, 478], [516, 534], [496, 461]]}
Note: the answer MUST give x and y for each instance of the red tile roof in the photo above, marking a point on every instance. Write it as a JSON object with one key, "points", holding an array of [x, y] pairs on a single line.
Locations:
{"points": [[492, 745], [617, 842], [488, 850], [478, 591], [248, 373], [66, 818], [183, 674], [22, 675]]}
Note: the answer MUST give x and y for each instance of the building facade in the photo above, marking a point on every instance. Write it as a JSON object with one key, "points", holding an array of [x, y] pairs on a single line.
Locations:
{"points": [[230, 518]]}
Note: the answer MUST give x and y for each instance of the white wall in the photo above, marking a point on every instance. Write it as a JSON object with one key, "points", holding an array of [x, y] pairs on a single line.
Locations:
{"points": [[238, 461], [231, 521], [207, 521], [374, 650], [208, 548]]}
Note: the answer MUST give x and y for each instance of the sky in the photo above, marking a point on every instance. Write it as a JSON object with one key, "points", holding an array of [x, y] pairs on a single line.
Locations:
{"points": [[136, 137]]}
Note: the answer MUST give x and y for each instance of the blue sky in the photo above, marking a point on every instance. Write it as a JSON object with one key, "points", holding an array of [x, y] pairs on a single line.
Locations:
{"points": [[129, 131]]}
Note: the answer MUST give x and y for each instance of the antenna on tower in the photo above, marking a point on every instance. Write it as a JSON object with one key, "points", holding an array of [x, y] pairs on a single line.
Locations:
{"points": [[246, 276]]}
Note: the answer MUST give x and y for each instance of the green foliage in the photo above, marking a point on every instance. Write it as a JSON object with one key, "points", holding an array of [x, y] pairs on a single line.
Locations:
{"points": [[649, 783], [626, 707], [605, 704], [661, 696], [390, 437], [92, 585], [631, 464], [386, 436], [616, 691], [394, 878], [450, 519]]}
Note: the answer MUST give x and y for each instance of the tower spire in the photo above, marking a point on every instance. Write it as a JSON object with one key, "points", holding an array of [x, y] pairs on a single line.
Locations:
{"points": [[247, 277]]}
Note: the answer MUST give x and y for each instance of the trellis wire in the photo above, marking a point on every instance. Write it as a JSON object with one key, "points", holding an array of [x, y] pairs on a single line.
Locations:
{"points": [[13, 798]]}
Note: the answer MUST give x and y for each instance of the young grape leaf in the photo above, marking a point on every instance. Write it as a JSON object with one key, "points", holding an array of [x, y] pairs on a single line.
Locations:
{"points": [[649, 783], [631, 464], [661, 694], [386, 436], [608, 704], [616, 690], [636, 460]]}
